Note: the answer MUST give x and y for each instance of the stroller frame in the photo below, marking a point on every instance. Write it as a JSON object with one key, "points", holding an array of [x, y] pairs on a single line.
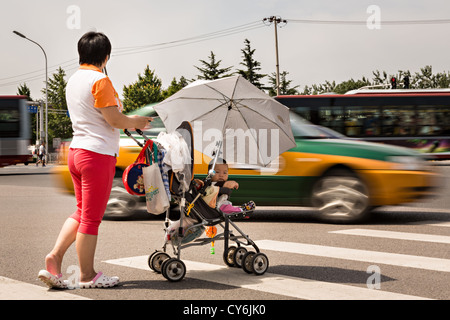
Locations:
{"points": [[192, 205]]}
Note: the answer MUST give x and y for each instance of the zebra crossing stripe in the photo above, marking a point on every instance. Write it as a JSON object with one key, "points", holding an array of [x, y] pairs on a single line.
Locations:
{"points": [[272, 283], [396, 259], [17, 290], [433, 223], [395, 235]]}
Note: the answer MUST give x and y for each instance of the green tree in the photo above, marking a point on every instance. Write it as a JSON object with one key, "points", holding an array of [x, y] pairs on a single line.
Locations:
{"points": [[378, 78], [146, 90], [211, 70], [285, 85], [23, 90], [252, 66], [174, 87], [426, 79], [327, 86], [59, 125], [351, 84]]}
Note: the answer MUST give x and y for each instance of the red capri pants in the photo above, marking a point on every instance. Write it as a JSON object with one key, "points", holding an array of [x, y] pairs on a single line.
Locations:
{"points": [[92, 175]]}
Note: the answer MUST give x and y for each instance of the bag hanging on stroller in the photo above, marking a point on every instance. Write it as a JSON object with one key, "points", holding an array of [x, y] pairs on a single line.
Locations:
{"points": [[155, 194], [132, 178]]}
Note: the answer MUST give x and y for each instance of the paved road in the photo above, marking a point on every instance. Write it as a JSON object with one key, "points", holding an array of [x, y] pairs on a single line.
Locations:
{"points": [[402, 253]]}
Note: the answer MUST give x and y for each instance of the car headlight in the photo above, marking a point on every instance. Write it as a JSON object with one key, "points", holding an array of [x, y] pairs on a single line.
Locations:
{"points": [[412, 163]]}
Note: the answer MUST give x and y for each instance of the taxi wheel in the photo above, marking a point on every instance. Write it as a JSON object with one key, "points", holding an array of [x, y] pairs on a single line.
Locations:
{"points": [[341, 197], [121, 204]]}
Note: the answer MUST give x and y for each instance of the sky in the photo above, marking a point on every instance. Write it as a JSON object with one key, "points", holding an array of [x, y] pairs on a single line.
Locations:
{"points": [[169, 37]]}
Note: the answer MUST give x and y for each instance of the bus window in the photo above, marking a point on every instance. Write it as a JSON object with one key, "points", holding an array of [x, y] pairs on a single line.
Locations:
{"points": [[444, 120], [431, 120], [9, 121], [332, 117], [306, 113], [362, 121], [398, 121]]}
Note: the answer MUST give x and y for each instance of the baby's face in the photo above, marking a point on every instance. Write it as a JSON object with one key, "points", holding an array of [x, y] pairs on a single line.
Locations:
{"points": [[221, 173]]}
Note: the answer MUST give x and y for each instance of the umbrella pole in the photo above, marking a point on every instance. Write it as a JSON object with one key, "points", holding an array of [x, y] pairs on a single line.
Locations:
{"points": [[212, 172]]}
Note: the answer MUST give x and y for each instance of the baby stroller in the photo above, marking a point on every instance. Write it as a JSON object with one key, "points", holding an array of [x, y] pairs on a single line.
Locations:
{"points": [[195, 216]]}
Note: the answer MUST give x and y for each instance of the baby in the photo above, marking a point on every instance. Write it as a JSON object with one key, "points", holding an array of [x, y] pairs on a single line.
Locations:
{"points": [[220, 179]]}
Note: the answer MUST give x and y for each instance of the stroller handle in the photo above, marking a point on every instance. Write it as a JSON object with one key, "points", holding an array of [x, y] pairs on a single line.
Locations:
{"points": [[135, 140]]}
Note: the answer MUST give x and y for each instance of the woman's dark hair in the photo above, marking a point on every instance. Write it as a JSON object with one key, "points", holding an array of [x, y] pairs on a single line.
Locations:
{"points": [[93, 48]]}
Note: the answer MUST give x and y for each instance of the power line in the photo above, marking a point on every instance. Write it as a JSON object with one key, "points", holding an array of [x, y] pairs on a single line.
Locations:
{"points": [[186, 41], [360, 22], [38, 74], [120, 51]]}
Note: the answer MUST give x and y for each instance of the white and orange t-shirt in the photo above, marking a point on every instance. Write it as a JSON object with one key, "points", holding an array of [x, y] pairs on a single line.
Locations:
{"points": [[87, 90]]}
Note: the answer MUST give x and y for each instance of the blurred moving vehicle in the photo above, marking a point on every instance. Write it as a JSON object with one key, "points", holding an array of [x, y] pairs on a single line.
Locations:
{"points": [[15, 131], [343, 178], [414, 118]]}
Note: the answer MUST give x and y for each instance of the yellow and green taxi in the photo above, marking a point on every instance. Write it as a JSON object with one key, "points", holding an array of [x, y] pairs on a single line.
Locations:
{"points": [[343, 178]]}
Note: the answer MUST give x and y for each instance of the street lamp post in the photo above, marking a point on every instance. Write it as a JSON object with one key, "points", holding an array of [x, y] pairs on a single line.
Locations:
{"points": [[46, 86]]}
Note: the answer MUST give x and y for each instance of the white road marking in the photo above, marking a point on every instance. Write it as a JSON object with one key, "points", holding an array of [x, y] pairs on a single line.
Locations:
{"points": [[402, 260], [17, 290], [434, 223], [395, 235], [271, 283]]}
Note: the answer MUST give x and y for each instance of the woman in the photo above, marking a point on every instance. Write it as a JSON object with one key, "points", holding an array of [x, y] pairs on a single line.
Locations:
{"points": [[96, 115]]}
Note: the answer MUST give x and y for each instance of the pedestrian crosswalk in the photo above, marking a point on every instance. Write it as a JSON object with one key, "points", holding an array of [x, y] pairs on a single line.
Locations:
{"points": [[396, 235], [11, 289], [375, 257], [435, 223], [288, 287], [294, 287]]}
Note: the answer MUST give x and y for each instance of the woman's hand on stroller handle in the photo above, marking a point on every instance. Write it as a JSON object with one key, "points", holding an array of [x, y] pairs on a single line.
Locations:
{"points": [[140, 122]]}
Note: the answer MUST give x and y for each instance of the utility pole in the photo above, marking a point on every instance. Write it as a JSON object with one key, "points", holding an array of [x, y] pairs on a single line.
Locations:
{"points": [[277, 21]]}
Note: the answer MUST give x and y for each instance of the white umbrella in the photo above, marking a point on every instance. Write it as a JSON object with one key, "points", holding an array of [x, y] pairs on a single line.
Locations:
{"points": [[253, 128]]}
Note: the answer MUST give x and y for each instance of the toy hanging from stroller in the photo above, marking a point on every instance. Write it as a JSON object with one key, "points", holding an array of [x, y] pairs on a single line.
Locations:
{"points": [[196, 216]]}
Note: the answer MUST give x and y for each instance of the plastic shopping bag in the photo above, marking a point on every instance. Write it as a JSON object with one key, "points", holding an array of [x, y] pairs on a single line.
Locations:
{"points": [[155, 193]]}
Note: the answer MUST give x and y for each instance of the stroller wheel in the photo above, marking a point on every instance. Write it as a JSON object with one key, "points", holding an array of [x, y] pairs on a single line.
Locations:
{"points": [[173, 269], [238, 256], [150, 259], [260, 263], [228, 256], [156, 260], [247, 261]]}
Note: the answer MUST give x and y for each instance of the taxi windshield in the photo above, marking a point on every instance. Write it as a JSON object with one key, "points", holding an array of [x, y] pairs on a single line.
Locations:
{"points": [[303, 129]]}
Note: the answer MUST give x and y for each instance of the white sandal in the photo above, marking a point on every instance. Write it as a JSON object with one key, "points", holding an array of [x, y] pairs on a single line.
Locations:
{"points": [[51, 280], [100, 281]]}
